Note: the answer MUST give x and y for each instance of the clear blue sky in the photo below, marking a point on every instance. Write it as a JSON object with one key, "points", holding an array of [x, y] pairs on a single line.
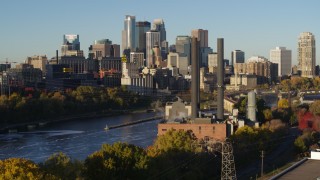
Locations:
{"points": [[36, 27]]}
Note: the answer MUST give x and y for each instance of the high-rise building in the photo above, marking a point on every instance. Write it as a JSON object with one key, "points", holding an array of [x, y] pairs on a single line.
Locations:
{"points": [[71, 45], [282, 57], [128, 33], [307, 54], [183, 47], [152, 39], [38, 62], [158, 25], [213, 59], [237, 56], [137, 58], [104, 48], [201, 35], [142, 27]]}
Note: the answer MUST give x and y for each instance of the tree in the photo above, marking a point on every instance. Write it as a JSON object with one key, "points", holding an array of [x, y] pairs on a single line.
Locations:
{"points": [[18, 168], [283, 104], [62, 166], [173, 141], [267, 114], [315, 108], [175, 155], [117, 161]]}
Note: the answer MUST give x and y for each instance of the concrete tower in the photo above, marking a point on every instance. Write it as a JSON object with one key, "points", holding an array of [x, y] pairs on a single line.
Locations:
{"points": [[251, 107], [195, 81], [307, 54], [220, 76]]}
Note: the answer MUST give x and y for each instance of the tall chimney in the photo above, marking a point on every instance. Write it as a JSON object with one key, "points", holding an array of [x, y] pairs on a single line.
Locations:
{"points": [[220, 76], [57, 58], [195, 97]]}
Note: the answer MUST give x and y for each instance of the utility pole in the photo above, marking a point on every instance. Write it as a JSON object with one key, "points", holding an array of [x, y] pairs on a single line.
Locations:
{"points": [[262, 156]]}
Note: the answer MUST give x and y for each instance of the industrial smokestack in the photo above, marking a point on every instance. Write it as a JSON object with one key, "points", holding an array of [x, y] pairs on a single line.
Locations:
{"points": [[57, 58], [251, 108], [220, 76], [195, 100]]}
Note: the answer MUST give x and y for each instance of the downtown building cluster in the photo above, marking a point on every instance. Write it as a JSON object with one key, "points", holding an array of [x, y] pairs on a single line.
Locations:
{"points": [[147, 64]]}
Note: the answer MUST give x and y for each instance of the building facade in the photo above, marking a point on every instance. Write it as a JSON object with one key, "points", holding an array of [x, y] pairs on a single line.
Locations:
{"points": [[282, 57], [103, 48], [152, 39], [237, 56], [71, 45], [38, 62], [307, 54], [202, 36], [142, 27], [128, 33], [183, 47]]}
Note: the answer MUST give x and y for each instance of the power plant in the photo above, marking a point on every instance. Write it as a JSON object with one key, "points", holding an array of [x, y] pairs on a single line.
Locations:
{"points": [[203, 125], [195, 75], [220, 79]]}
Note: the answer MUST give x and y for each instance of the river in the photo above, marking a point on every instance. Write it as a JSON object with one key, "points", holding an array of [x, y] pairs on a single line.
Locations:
{"points": [[77, 139]]}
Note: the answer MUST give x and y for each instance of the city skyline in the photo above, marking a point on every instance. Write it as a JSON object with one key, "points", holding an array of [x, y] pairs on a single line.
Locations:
{"points": [[253, 27]]}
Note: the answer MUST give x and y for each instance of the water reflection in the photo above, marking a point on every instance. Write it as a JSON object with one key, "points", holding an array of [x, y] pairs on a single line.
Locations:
{"points": [[77, 139]]}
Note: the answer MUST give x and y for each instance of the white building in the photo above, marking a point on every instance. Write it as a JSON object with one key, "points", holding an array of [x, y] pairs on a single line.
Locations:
{"points": [[129, 33], [213, 60], [282, 57]]}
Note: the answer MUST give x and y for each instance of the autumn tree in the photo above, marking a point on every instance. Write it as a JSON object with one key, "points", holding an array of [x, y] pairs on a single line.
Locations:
{"points": [[18, 168], [117, 161], [60, 165], [283, 104], [267, 114], [176, 155]]}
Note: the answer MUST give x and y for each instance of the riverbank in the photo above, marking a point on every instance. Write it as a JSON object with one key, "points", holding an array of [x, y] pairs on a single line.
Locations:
{"points": [[28, 125]]}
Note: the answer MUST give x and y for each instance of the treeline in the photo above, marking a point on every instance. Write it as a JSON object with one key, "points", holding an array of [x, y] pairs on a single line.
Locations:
{"points": [[33, 106], [175, 155], [300, 83]]}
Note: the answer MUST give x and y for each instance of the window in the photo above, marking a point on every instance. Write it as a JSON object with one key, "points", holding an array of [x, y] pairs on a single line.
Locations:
{"points": [[213, 129], [164, 129]]}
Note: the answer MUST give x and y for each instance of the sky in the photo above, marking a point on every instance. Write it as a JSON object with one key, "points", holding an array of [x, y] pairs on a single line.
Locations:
{"points": [[36, 27]]}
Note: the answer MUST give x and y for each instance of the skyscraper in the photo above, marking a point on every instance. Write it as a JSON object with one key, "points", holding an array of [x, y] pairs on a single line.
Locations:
{"points": [[201, 35], [237, 56], [158, 25], [307, 54], [183, 47], [71, 45], [142, 27], [128, 33], [282, 57], [152, 39], [103, 48]]}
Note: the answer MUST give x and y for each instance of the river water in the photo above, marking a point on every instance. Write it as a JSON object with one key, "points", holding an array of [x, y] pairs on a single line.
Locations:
{"points": [[77, 139]]}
